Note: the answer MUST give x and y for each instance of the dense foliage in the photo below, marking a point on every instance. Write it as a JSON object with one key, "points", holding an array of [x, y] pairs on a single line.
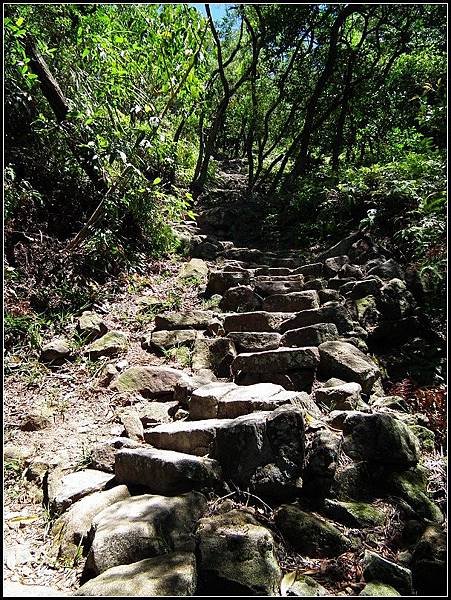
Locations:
{"points": [[338, 109]]}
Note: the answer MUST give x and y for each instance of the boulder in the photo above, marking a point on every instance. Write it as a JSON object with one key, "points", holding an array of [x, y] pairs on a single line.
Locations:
{"points": [[133, 427], [151, 382], [314, 335], [157, 341], [312, 270], [341, 359], [142, 527], [381, 439], [110, 344], [276, 361], [377, 568], [355, 482], [411, 487], [310, 535], [395, 300], [328, 295], [315, 284], [240, 299], [248, 341], [429, 563], [254, 321], [334, 264], [321, 463], [172, 574], [236, 556], [166, 472], [70, 531], [196, 268], [55, 351], [376, 588], [291, 302], [388, 269], [216, 354], [354, 514], [102, 454], [220, 281], [268, 451], [341, 397], [64, 490], [91, 326], [366, 287], [303, 586]]}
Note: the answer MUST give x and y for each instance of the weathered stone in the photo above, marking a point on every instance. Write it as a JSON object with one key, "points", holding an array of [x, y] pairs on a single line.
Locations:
{"points": [[429, 563], [387, 270], [342, 247], [164, 471], [151, 382], [380, 438], [71, 530], [310, 535], [18, 453], [268, 288], [240, 299], [102, 454], [220, 281], [314, 335], [328, 313], [377, 568], [91, 325], [328, 295], [276, 361], [185, 319], [268, 451], [366, 287], [236, 556], [411, 486], [278, 278], [395, 300], [344, 285], [216, 354], [110, 344], [354, 514], [163, 340], [333, 264], [57, 350], [354, 482], [191, 437], [172, 574], [341, 359], [291, 302], [247, 341], [228, 400], [348, 270], [133, 426], [64, 490], [273, 271], [142, 527], [196, 267], [376, 588], [321, 464], [254, 321], [304, 586], [341, 397], [314, 269]]}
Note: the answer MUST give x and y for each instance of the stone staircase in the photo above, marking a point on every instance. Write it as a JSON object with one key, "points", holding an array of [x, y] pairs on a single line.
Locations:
{"points": [[284, 403]]}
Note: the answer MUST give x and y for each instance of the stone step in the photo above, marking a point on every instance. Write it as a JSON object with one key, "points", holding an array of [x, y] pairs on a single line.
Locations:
{"points": [[273, 271], [268, 288], [255, 321], [255, 341], [221, 281], [313, 335], [276, 361], [333, 313], [223, 401], [191, 437], [166, 472], [185, 319], [293, 277], [291, 302], [164, 339]]}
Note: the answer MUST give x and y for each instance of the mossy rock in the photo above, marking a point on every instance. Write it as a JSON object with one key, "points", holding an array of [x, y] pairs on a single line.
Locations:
{"points": [[426, 437], [411, 487], [110, 344], [376, 588], [354, 514]]}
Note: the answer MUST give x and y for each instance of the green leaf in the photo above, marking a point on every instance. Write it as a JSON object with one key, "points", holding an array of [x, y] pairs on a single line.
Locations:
{"points": [[157, 180], [19, 21]]}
